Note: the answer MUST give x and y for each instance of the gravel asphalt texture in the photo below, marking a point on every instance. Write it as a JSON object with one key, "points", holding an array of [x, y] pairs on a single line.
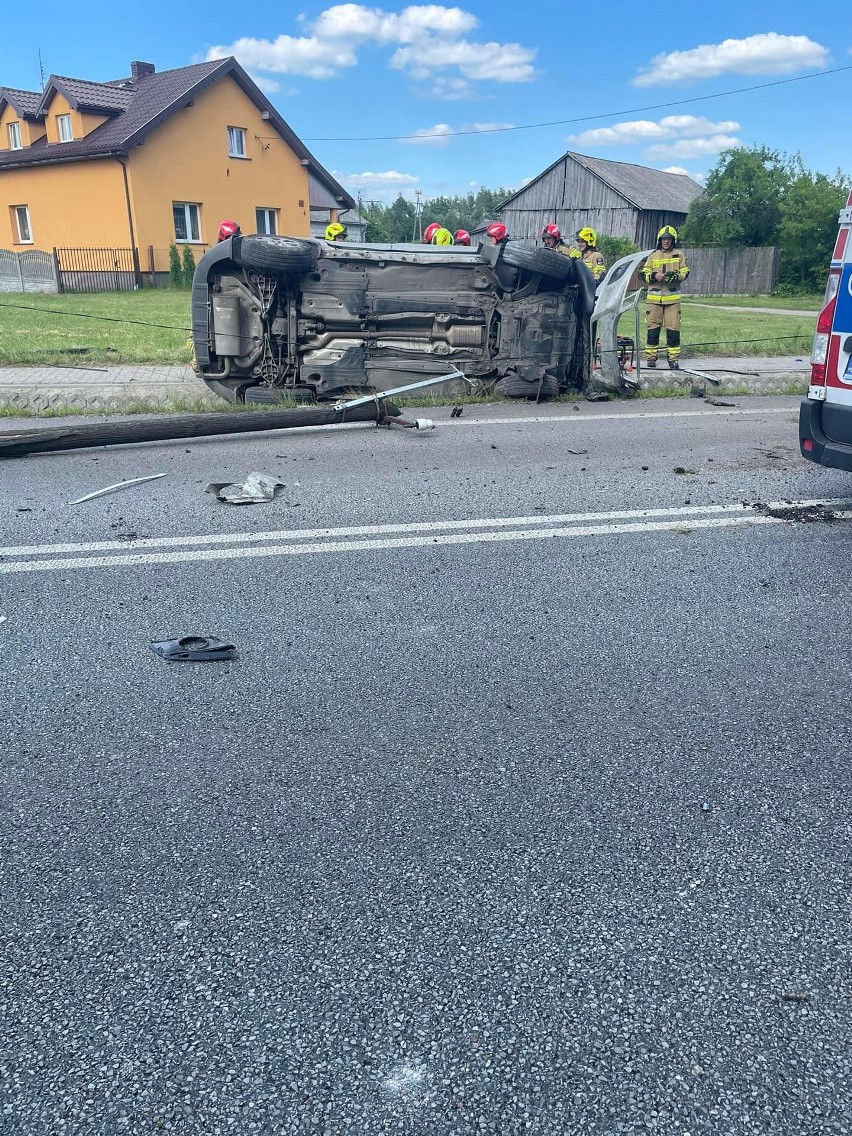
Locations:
{"points": [[547, 837]]}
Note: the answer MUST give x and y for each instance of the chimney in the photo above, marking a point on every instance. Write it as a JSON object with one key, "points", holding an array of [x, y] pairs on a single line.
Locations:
{"points": [[140, 70]]}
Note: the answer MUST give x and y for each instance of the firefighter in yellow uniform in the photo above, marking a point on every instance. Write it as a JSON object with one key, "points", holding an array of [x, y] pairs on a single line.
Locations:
{"points": [[664, 271], [587, 251]]}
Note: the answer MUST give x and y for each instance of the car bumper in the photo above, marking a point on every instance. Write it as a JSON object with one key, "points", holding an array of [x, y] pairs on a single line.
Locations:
{"points": [[825, 433]]}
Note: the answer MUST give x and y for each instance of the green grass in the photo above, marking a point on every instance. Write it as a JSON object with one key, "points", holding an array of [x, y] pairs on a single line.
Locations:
{"points": [[36, 329], [39, 330], [791, 303], [705, 331]]}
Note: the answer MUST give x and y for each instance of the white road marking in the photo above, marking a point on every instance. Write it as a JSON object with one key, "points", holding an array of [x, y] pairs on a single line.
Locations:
{"points": [[401, 528], [319, 547], [576, 419]]}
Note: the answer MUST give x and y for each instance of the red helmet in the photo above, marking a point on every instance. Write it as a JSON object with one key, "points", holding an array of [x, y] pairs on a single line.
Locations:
{"points": [[229, 229], [429, 232], [552, 231], [497, 230], [462, 237]]}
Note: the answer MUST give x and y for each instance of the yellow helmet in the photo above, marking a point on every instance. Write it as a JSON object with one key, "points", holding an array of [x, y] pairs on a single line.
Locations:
{"points": [[667, 231], [443, 237], [589, 236], [335, 231]]}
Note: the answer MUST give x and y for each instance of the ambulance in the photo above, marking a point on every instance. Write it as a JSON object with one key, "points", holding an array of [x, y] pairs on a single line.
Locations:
{"points": [[825, 416]]}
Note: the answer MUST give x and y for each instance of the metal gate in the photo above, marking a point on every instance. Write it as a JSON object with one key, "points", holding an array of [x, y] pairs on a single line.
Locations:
{"points": [[98, 269]]}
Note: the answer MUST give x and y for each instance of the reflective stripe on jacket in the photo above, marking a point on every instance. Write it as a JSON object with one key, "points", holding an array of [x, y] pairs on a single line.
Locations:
{"points": [[595, 263], [672, 264]]}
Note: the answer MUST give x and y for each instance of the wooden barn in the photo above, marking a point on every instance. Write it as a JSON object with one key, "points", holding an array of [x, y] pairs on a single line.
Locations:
{"points": [[616, 198]]}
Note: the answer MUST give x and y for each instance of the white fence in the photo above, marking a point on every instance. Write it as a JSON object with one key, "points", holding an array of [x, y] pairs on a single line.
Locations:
{"points": [[29, 271]]}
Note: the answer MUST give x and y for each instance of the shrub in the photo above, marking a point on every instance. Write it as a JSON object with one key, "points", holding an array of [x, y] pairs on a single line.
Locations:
{"points": [[188, 267], [175, 270]]}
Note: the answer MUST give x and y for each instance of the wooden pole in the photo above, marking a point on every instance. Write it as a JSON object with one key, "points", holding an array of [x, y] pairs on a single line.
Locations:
{"points": [[53, 438]]}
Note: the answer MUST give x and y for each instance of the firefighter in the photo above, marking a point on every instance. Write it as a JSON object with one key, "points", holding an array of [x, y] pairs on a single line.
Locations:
{"points": [[228, 229], [552, 237], [336, 232], [497, 233], [587, 251], [429, 232], [462, 237], [663, 272]]}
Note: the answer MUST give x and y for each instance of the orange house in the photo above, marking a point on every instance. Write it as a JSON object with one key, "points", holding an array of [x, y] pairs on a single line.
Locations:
{"points": [[157, 158]]}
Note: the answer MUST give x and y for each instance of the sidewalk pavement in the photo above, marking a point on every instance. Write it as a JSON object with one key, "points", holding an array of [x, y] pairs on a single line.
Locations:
{"points": [[102, 388]]}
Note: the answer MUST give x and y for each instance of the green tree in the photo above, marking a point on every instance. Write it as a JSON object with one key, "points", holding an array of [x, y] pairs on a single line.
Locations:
{"points": [[188, 267], [742, 202], [808, 227], [614, 248], [175, 269]]}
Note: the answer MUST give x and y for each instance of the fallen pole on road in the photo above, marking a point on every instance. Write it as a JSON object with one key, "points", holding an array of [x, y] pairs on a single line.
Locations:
{"points": [[50, 438]]}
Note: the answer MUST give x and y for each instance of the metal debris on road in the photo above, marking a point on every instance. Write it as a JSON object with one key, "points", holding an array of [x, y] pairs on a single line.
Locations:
{"points": [[3, 618], [194, 649], [114, 488], [790, 997], [257, 488]]}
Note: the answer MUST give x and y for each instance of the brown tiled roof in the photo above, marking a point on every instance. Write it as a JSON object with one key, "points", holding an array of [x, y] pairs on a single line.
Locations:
{"points": [[142, 105], [83, 95], [25, 103]]}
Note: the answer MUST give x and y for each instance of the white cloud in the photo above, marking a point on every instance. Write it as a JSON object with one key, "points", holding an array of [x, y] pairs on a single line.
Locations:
{"points": [[358, 22], [268, 86], [442, 133], [766, 54], [374, 179], [427, 38], [450, 88], [692, 147], [643, 130], [700, 178], [497, 62], [290, 55]]}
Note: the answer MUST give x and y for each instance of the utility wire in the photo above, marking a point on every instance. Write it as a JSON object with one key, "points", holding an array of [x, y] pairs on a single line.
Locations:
{"points": [[582, 118], [174, 327], [90, 315]]}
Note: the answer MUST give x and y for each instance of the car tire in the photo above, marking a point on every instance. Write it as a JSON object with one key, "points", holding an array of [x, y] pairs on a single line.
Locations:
{"points": [[513, 386], [289, 255], [547, 262]]}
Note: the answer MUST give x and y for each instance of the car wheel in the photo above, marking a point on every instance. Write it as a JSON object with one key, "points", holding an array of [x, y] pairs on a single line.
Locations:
{"points": [[288, 255], [513, 386], [554, 265]]}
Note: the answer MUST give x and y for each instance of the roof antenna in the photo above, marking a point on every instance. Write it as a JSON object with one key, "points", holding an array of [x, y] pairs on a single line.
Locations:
{"points": [[41, 68]]}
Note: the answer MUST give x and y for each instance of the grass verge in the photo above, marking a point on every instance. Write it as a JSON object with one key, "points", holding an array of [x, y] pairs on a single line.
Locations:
{"points": [[39, 330]]}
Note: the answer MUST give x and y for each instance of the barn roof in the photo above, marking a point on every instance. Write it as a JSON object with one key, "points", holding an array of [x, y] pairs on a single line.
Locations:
{"points": [[643, 187]]}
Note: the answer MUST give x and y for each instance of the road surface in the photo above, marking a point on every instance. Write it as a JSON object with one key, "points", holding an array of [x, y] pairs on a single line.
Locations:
{"points": [[523, 809]]}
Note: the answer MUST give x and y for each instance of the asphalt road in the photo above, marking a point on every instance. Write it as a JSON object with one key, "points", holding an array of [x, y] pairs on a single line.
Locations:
{"points": [[505, 819]]}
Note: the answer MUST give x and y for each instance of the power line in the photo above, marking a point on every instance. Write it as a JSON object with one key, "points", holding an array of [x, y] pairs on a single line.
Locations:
{"points": [[588, 117], [91, 316]]}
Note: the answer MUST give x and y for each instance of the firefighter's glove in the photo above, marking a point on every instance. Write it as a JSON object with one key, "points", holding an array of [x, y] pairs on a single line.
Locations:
{"points": [[672, 279]]}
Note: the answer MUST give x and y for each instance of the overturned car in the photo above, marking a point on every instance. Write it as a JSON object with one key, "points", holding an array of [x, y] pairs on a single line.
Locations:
{"points": [[312, 319]]}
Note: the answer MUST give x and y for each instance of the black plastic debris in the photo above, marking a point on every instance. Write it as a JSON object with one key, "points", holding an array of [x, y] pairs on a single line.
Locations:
{"points": [[194, 649]]}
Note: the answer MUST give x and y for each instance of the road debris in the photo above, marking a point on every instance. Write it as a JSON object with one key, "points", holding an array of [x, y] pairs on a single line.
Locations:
{"points": [[456, 412], [806, 514], [717, 402], [114, 488], [257, 488], [787, 996], [577, 452], [682, 469], [194, 649], [3, 618]]}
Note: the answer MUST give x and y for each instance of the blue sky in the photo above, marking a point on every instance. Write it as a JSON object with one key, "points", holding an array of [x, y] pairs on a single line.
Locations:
{"points": [[351, 72]]}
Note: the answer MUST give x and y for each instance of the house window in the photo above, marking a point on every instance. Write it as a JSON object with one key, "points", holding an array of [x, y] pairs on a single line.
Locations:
{"points": [[22, 221], [236, 142], [63, 128], [15, 136], [267, 221], [187, 224]]}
